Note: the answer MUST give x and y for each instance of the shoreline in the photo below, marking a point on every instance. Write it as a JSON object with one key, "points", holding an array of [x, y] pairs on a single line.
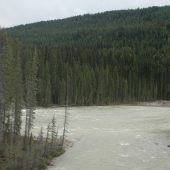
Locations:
{"points": [[156, 103], [16, 156]]}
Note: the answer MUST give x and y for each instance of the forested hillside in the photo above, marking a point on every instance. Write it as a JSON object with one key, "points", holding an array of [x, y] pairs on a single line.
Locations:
{"points": [[112, 57]]}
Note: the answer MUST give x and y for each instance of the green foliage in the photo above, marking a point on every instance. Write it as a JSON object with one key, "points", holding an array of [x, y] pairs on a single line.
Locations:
{"points": [[18, 89], [117, 56]]}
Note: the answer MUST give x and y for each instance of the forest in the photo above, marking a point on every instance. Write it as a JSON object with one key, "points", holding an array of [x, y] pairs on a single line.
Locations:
{"points": [[19, 148], [106, 58]]}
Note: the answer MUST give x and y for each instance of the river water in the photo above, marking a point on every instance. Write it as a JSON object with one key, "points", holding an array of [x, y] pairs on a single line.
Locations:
{"points": [[113, 137]]}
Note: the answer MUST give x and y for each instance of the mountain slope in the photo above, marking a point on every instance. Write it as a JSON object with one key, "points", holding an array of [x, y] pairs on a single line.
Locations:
{"points": [[107, 21], [116, 56]]}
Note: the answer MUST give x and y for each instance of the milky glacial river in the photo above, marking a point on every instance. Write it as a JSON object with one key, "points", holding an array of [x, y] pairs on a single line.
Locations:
{"points": [[113, 137]]}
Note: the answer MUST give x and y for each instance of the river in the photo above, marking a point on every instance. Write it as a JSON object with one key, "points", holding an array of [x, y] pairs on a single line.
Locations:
{"points": [[112, 137]]}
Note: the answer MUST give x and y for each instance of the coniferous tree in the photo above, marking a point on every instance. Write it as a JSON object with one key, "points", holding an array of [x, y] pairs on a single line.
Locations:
{"points": [[30, 95]]}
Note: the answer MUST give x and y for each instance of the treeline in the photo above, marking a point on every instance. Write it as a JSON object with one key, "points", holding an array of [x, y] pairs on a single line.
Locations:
{"points": [[18, 89], [112, 57]]}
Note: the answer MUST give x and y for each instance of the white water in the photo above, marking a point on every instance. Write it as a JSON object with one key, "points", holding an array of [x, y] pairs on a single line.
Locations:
{"points": [[113, 137]]}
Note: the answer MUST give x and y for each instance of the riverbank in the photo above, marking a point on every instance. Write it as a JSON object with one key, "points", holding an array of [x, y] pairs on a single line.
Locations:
{"points": [[162, 103], [159, 103], [30, 157]]}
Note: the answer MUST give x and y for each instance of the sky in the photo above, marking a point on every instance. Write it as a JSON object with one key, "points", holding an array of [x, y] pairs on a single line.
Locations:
{"points": [[16, 12]]}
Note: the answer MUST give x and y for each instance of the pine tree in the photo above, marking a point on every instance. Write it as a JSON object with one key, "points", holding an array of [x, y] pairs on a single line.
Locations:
{"points": [[30, 95]]}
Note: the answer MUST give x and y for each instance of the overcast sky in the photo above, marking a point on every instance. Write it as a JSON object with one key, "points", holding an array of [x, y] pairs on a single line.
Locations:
{"points": [[15, 12]]}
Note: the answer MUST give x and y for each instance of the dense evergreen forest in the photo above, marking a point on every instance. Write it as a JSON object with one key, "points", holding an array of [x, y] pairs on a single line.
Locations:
{"points": [[18, 88], [106, 58]]}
